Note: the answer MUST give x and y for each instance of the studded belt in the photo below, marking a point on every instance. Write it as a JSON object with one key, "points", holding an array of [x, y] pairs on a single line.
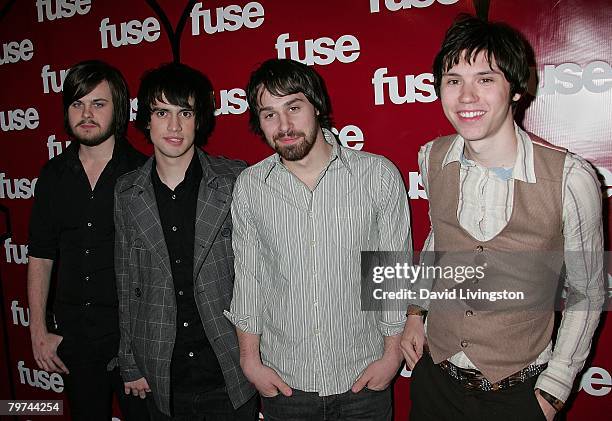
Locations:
{"points": [[475, 380]]}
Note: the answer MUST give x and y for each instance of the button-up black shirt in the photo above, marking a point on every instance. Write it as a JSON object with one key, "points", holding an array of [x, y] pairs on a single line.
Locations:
{"points": [[194, 365], [74, 224]]}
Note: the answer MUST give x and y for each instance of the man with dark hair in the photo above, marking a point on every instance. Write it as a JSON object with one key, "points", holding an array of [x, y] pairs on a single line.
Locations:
{"points": [[301, 218], [174, 260], [72, 220], [520, 208]]}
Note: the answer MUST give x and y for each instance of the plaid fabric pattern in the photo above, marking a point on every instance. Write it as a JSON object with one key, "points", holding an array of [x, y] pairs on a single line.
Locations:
{"points": [[147, 306]]}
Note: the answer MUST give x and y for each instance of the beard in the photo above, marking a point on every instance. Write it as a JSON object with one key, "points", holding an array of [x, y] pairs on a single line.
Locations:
{"points": [[91, 139], [296, 151]]}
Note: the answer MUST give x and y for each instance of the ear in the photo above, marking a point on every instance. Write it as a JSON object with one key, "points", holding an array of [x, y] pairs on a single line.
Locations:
{"points": [[316, 111], [516, 97]]}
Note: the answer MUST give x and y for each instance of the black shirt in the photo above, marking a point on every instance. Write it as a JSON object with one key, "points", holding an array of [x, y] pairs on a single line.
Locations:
{"points": [[73, 224], [194, 365]]}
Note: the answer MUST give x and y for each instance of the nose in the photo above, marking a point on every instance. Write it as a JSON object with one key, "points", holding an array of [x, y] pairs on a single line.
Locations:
{"points": [[468, 94], [284, 122], [87, 111], [174, 123]]}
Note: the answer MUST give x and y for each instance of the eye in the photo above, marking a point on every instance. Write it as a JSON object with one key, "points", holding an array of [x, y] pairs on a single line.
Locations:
{"points": [[187, 113], [76, 104], [160, 113], [452, 81], [267, 116], [486, 80], [98, 104], [294, 108]]}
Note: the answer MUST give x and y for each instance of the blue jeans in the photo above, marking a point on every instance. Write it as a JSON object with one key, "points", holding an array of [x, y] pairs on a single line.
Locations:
{"points": [[367, 405]]}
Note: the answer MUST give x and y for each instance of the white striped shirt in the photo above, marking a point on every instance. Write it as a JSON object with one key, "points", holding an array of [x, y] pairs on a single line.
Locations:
{"points": [[485, 207], [298, 269]]}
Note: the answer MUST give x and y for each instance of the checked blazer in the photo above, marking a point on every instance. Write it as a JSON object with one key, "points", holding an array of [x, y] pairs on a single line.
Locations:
{"points": [[147, 305]]}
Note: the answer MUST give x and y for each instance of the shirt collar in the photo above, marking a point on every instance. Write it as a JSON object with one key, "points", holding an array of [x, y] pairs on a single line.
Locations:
{"points": [[119, 152], [336, 153], [523, 169]]}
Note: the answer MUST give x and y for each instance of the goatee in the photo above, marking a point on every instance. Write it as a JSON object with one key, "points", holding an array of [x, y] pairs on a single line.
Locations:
{"points": [[296, 151]]}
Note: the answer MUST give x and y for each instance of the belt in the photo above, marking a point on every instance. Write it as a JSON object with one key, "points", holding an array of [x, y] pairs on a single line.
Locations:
{"points": [[475, 380]]}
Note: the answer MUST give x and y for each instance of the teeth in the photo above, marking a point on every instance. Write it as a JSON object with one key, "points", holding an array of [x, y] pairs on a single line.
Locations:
{"points": [[471, 114]]}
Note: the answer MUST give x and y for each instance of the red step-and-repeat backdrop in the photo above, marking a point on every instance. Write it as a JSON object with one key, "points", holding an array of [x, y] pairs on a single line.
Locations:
{"points": [[375, 56]]}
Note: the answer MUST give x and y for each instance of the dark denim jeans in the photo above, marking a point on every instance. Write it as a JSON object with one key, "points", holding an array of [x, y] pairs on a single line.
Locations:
{"points": [[214, 405], [367, 405]]}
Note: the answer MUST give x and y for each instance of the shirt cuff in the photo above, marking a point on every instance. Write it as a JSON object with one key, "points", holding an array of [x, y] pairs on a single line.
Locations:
{"points": [[129, 370], [246, 323], [391, 328], [558, 386]]}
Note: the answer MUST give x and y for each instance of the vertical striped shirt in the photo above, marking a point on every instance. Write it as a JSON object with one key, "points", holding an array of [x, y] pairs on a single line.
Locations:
{"points": [[297, 262], [485, 206]]}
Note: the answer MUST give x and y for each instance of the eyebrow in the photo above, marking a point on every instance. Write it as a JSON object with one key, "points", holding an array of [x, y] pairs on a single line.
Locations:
{"points": [[285, 104], [483, 73]]}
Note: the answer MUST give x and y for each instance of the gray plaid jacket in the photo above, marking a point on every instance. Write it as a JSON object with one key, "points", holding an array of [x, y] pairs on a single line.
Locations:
{"points": [[147, 306]]}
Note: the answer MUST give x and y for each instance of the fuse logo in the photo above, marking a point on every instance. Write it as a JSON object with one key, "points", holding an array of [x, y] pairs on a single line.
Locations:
{"points": [[570, 78], [15, 253], [55, 147], [321, 51], [21, 188], [14, 51], [596, 381], [19, 119], [21, 316], [417, 88], [232, 101], [395, 5], [226, 18], [63, 8], [129, 33], [52, 81], [40, 379]]}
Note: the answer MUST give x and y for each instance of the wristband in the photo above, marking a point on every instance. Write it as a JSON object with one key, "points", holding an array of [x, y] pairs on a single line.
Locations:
{"points": [[554, 402]]}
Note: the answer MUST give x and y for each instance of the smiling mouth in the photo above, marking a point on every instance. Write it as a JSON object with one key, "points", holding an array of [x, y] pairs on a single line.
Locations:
{"points": [[173, 140], [471, 114]]}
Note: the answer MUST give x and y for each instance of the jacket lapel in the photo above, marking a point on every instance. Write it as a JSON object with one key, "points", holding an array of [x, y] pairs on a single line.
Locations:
{"points": [[144, 212], [214, 200]]}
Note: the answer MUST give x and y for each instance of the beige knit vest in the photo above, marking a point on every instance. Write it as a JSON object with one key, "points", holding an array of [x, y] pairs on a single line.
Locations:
{"points": [[500, 338]]}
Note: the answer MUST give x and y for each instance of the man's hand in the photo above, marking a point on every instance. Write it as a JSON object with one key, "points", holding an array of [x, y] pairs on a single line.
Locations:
{"points": [[379, 374], [44, 348], [138, 387], [548, 410], [267, 382], [413, 340]]}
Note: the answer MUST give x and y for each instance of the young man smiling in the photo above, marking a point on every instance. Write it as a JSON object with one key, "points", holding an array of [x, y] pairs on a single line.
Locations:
{"points": [[498, 194], [301, 218], [174, 260]]}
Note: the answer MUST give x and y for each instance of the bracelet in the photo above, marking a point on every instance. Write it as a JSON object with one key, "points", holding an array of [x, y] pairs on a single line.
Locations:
{"points": [[554, 402], [415, 311]]}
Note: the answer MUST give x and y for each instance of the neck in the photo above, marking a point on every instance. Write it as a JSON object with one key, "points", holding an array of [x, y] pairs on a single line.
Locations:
{"points": [[316, 159], [172, 170], [101, 152], [495, 151]]}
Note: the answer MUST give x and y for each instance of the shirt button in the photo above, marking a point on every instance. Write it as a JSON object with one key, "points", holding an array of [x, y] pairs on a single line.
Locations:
{"points": [[174, 228], [87, 304], [316, 331], [181, 293], [185, 324], [315, 303], [86, 251], [313, 242], [469, 313], [177, 261], [479, 249], [87, 278], [91, 197], [190, 354], [89, 224], [464, 344], [174, 197]]}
